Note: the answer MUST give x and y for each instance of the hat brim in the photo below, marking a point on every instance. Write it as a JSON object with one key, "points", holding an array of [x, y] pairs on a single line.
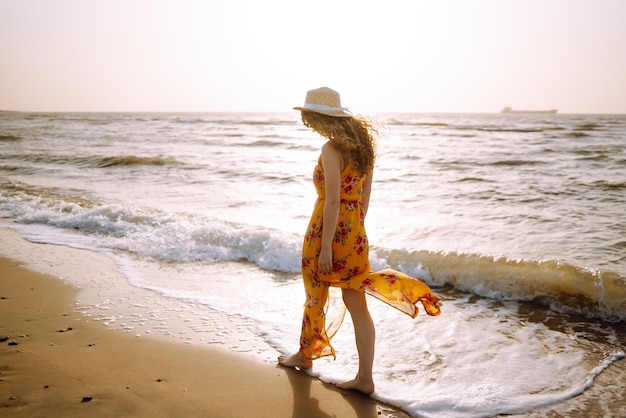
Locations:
{"points": [[336, 113]]}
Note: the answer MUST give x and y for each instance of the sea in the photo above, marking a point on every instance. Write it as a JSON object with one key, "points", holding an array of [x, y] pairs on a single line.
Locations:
{"points": [[516, 221]]}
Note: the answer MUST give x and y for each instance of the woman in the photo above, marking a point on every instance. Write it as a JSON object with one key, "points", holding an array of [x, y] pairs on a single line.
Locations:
{"points": [[335, 250]]}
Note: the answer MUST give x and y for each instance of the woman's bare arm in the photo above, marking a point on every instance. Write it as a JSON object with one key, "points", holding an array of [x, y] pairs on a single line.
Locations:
{"points": [[331, 163], [367, 191]]}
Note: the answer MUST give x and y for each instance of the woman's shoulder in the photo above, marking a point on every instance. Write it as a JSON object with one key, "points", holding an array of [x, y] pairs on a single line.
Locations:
{"points": [[332, 155], [328, 147], [329, 151]]}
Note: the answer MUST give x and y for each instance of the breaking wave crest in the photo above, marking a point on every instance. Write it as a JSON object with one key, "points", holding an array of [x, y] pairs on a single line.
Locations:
{"points": [[557, 285]]}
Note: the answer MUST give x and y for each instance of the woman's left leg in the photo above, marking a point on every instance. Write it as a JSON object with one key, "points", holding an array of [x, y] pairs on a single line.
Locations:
{"points": [[365, 335]]}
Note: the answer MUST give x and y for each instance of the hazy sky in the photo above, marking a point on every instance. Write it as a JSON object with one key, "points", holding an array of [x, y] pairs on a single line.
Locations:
{"points": [[262, 55]]}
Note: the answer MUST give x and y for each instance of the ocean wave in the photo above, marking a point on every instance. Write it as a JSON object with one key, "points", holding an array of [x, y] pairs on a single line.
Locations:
{"points": [[520, 130], [182, 237], [13, 194], [267, 143], [90, 118], [576, 134], [435, 124], [554, 128], [496, 128], [609, 186], [619, 245], [473, 179], [557, 285], [515, 163], [588, 126], [160, 235], [18, 168], [96, 161], [126, 160]]}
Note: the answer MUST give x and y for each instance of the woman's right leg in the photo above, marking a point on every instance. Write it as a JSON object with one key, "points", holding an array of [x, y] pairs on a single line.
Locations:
{"points": [[313, 337], [296, 360]]}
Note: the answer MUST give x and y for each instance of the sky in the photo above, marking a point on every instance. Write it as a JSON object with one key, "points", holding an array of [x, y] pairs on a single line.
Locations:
{"points": [[251, 55]]}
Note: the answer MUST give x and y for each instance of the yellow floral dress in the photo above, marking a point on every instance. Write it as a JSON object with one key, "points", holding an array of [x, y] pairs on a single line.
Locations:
{"points": [[351, 269]]}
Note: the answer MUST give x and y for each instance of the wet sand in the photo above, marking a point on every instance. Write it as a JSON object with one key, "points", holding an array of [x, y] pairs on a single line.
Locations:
{"points": [[56, 362]]}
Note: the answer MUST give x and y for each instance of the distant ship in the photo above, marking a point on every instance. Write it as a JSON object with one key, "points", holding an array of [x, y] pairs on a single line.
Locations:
{"points": [[509, 110]]}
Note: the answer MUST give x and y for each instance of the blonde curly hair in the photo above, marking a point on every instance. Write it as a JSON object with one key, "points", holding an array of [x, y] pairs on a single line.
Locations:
{"points": [[354, 137]]}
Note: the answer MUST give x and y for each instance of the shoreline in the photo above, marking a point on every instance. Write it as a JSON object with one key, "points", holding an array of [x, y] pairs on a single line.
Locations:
{"points": [[58, 362]]}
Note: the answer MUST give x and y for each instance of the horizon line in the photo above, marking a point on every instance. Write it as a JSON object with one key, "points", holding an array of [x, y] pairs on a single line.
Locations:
{"points": [[289, 111]]}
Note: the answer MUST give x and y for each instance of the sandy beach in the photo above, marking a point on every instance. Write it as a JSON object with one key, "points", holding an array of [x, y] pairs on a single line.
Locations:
{"points": [[56, 362]]}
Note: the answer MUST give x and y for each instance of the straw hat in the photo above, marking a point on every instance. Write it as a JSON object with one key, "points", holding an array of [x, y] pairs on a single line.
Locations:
{"points": [[325, 101]]}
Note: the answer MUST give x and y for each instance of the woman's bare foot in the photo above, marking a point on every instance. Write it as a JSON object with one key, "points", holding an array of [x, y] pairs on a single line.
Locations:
{"points": [[365, 386], [297, 361]]}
